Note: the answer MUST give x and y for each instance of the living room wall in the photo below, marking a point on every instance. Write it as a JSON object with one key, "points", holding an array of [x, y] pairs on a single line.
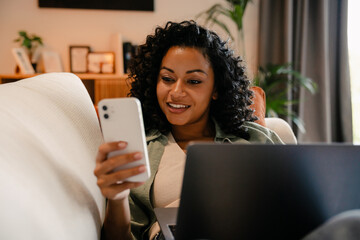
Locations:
{"points": [[61, 28]]}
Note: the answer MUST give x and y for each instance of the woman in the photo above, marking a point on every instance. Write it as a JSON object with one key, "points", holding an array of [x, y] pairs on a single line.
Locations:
{"points": [[192, 88]]}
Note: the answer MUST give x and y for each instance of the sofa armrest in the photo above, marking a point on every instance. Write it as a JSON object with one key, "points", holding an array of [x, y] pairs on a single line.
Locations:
{"points": [[49, 139], [282, 128]]}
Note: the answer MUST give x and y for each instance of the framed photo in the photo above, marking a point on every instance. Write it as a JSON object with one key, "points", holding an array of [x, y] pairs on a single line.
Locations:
{"points": [[101, 62], [23, 61], [78, 58], [51, 62]]}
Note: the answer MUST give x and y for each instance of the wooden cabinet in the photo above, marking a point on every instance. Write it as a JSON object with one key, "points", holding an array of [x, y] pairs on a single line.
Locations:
{"points": [[99, 86]]}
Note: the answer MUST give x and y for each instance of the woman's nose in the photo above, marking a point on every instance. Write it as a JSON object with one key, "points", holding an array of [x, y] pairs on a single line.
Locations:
{"points": [[178, 89]]}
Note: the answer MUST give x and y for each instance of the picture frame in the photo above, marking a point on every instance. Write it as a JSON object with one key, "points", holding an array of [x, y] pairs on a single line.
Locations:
{"points": [[23, 61], [78, 58], [101, 62], [51, 62]]}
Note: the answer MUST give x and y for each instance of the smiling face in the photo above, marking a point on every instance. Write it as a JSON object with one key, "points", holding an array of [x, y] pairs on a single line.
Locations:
{"points": [[185, 87]]}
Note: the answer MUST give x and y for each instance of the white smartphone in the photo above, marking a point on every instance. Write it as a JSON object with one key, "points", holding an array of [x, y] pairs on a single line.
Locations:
{"points": [[121, 120]]}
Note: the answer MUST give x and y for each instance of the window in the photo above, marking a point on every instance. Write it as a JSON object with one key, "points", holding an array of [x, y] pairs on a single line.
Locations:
{"points": [[354, 58]]}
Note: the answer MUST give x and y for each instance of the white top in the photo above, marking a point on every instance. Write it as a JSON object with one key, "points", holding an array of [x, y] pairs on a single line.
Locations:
{"points": [[168, 180]]}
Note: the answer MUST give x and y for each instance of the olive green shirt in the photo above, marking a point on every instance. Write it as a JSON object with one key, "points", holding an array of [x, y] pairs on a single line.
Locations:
{"points": [[142, 213]]}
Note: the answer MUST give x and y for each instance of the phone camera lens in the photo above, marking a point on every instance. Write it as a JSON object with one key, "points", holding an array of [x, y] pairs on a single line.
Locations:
{"points": [[106, 116], [104, 108]]}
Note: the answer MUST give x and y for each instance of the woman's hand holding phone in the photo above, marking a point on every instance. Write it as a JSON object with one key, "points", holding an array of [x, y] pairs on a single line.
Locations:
{"points": [[115, 188], [121, 120], [113, 184], [121, 165]]}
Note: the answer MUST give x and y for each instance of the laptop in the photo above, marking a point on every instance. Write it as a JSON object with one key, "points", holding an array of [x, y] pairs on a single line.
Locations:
{"points": [[233, 191]]}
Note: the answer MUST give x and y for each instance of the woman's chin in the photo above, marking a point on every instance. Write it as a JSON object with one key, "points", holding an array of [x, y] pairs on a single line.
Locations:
{"points": [[178, 122]]}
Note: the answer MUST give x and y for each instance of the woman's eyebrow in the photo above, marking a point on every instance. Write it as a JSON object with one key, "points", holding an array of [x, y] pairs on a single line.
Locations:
{"points": [[189, 71], [170, 70], [197, 70]]}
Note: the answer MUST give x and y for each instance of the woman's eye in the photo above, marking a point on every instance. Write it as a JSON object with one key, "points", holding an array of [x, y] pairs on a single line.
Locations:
{"points": [[194, 81], [166, 79]]}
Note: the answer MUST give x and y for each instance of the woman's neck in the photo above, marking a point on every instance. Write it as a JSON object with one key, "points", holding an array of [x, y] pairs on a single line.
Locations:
{"points": [[185, 134]]}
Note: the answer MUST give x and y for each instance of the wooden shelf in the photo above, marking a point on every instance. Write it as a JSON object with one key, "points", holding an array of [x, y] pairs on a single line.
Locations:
{"points": [[99, 86], [82, 76]]}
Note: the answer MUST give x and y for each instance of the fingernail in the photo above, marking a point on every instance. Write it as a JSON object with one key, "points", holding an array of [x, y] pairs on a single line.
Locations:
{"points": [[141, 168], [122, 144], [137, 156]]}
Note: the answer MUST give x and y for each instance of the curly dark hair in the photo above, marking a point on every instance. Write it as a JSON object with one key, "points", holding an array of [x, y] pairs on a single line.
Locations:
{"points": [[230, 109]]}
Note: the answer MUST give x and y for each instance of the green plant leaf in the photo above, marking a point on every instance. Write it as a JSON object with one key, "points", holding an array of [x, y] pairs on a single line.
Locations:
{"points": [[215, 11], [27, 43], [237, 16], [212, 16], [234, 10], [23, 34], [223, 26], [37, 39]]}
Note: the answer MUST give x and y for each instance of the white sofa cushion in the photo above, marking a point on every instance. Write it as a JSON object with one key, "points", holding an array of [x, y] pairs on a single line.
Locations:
{"points": [[282, 128], [48, 142]]}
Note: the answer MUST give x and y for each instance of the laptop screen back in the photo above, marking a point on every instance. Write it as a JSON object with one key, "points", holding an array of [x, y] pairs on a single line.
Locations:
{"points": [[265, 191]]}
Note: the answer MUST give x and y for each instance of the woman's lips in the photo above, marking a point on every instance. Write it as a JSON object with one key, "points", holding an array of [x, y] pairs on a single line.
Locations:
{"points": [[177, 108]]}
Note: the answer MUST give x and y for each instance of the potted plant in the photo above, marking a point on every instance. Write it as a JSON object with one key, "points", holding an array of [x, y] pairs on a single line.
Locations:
{"points": [[276, 80], [30, 43]]}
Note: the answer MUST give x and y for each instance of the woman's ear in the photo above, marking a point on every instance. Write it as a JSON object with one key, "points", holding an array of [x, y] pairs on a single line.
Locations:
{"points": [[215, 95]]}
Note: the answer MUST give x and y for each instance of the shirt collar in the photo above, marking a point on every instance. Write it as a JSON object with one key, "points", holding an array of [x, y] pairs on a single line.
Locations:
{"points": [[155, 134], [220, 135]]}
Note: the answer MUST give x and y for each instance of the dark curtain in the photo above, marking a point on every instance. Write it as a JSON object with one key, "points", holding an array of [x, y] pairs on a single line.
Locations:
{"points": [[312, 35]]}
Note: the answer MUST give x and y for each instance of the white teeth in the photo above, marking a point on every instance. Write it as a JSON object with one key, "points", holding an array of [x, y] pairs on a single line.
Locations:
{"points": [[177, 105]]}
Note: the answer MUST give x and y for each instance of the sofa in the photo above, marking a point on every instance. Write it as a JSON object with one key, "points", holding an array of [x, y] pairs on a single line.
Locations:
{"points": [[49, 139]]}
